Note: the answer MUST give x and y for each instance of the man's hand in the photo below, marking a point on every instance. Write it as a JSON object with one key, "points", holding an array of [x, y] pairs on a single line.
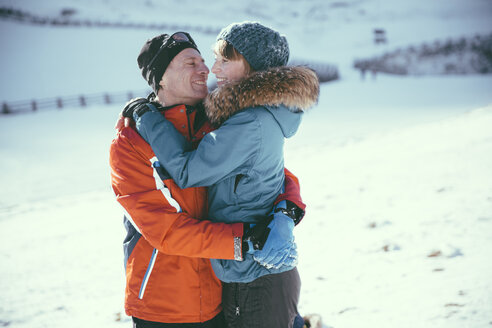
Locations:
{"points": [[123, 122], [272, 243]]}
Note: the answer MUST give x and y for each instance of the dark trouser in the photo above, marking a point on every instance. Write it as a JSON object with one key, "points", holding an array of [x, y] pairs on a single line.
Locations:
{"points": [[217, 322], [269, 301]]}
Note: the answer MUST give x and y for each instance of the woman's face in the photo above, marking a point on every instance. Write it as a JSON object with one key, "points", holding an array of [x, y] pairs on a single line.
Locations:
{"points": [[228, 70]]}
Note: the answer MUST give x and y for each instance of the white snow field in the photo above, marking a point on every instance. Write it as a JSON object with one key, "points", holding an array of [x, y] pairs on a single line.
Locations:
{"points": [[396, 171]]}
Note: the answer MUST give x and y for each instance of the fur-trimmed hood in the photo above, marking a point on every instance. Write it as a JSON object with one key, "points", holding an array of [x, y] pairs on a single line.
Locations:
{"points": [[296, 88]]}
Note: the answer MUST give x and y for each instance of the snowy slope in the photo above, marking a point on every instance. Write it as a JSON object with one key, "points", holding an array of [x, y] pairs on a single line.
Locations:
{"points": [[51, 61], [377, 209]]}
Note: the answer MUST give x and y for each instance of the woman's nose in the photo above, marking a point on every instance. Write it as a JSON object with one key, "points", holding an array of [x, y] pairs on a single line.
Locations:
{"points": [[215, 68]]}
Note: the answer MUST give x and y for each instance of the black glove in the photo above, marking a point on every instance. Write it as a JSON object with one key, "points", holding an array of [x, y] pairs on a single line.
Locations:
{"points": [[136, 105], [292, 210], [255, 237]]}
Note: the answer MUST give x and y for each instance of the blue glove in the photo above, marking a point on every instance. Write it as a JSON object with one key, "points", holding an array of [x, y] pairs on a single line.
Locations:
{"points": [[286, 257], [279, 248]]}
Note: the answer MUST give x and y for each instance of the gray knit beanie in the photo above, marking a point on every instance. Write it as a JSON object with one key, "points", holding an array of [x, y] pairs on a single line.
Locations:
{"points": [[261, 46]]}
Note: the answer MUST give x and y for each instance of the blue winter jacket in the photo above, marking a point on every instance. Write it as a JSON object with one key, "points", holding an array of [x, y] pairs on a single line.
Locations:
{"points": [[241, 162]]}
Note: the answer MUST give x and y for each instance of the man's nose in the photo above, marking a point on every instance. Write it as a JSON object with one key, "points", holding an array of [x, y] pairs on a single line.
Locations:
{"points": [[203, 69]]}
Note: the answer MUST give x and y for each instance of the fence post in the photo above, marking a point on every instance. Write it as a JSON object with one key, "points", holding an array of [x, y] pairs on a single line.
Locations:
{"points": [[34, 106], [107, 99], [83, 103], [59, 103], [5, 108], [379, 36]]}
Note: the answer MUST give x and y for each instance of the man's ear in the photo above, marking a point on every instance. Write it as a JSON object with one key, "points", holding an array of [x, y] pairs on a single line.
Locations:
{"points": [[161, 84]]}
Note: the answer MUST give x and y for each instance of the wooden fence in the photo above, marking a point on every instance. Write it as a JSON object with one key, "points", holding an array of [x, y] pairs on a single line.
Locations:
{"points": [[25, 106], [65, 20], [326, 72]]}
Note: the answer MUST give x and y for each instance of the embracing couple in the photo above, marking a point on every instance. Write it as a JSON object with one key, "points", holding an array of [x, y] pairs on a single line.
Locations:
{"points": [[209, 207]]}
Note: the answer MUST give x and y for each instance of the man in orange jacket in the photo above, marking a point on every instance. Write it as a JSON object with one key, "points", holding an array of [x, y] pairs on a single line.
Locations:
{"points": [[169, 278]]}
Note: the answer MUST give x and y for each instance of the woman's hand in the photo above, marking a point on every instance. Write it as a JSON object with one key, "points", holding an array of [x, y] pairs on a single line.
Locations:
{"points": [[272, 243], [134, 105], [125, 118]]}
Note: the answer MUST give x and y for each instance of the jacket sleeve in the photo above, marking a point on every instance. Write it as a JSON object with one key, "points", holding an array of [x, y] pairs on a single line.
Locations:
{"points": [[218, 155], [292, 190], [157, 216], [176, 233], [292, 195]]}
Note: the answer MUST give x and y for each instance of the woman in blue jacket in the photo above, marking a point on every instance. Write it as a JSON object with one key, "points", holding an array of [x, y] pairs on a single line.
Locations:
{"points": [[259, 102]]}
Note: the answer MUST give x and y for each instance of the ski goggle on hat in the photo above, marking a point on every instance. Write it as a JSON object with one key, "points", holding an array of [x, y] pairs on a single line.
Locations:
{"points": [[178, 40]]}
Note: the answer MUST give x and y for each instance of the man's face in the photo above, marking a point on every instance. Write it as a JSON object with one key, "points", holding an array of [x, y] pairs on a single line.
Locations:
{"points": [[185, 79]]}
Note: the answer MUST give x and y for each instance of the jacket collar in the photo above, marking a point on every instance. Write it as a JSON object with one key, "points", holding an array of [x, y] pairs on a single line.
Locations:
{"points": [[190, 121], [296, 88]]}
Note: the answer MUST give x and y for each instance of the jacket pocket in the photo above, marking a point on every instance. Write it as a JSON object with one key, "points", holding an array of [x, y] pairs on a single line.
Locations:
{"points": [[246, 192], [146, 277], [236, 181]]}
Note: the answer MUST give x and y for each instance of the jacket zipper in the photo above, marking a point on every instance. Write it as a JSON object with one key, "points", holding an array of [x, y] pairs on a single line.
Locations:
{"points": [[145, 280], [236, 299], [188, 112]]}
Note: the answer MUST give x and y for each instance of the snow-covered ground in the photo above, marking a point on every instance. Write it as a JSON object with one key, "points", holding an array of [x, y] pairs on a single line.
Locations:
{"points": [[378, 208], [400, 227], [395, 171]]}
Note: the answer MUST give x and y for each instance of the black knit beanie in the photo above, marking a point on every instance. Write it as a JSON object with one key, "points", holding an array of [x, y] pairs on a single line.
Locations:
{"points": [[158, 52]]}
